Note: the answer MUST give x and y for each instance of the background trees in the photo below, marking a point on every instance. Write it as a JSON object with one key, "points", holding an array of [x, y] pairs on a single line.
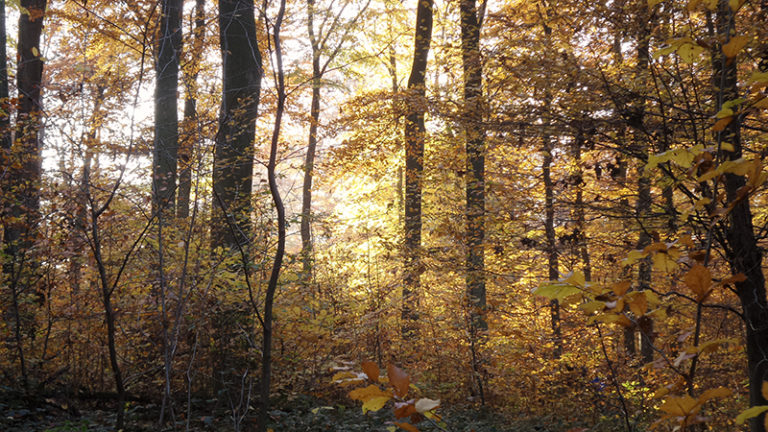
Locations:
{"points": [[577, 227]]}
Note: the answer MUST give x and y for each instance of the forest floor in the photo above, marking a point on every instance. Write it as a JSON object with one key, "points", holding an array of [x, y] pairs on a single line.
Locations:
{"points": [[299, 414]]}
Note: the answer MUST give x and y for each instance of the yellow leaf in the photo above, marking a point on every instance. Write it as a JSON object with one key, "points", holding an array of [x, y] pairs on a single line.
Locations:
{"points": [[689, 52], [639, 304], [665, 261], [576, 278], [370, 392], [591, 307], [758, 77], [633, 256], [375, 403], [619, 319], [715, 393], [680, 406], [699, 280], [735, 45], [736, 4], [556, 291], [764, 389], [653, 3], [751, 412]]}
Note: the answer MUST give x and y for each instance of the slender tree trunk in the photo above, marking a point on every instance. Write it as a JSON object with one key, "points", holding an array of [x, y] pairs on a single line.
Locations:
{"points": [[414, 167], [742, 250], [475, 137], [189, 124], [474, 130], [266, 361], [549, 231], [109, 318], [636, 120], [233, 157], [309, 162]]}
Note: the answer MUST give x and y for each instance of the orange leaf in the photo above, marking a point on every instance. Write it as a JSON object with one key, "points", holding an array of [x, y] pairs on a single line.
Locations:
{"points": [[699, 281], [722, 123], [735, 45], [372, 370], [405, 410], [399, 380], [407, 426]]}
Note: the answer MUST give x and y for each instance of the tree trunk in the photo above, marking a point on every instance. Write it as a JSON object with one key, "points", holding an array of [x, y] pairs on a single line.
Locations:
{"points": [[22, 168], [166, 116], [549, 231], [414, 167], [309, 162], [190, 126], [742, 251], [266, 360], [233, 157], [475, 150], [475, 182]]}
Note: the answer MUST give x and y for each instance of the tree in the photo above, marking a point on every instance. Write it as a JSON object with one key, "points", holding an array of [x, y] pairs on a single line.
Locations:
{"points": [[414, 165], [319, 44], [22, 169], [475, 180], [739, 241], [233, 156], [164, 155], [189, 125]]}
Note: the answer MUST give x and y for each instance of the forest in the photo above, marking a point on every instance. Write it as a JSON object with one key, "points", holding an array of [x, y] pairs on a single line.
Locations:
{"points": [[383, 215]]}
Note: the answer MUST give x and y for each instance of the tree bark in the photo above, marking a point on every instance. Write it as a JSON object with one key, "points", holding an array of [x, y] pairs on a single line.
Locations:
{"points": [[742, 250], [309, 161], [549, 231], [190, 126], [266, 361], [164, 156], [233, 157], [22, 167], [414, 167], [475, 151]]}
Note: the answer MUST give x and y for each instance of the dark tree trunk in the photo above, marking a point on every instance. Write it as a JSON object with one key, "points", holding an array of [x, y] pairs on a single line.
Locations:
{"points": [[475, 137], [644, 200], [742, 251], [166, 105], [414, 167], [475, 182], [22, 167], [190, 126], [549, 231], [266, 360], [233, 157]]}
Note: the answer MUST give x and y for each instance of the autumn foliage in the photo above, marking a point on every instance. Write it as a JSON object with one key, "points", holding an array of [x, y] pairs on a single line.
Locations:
{"points": [[550, 214]]}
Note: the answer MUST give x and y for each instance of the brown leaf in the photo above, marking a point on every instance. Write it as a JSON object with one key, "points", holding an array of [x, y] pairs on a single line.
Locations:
{"points": [[405, 410], [399, 380], [722, 123], [371, 369]]}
